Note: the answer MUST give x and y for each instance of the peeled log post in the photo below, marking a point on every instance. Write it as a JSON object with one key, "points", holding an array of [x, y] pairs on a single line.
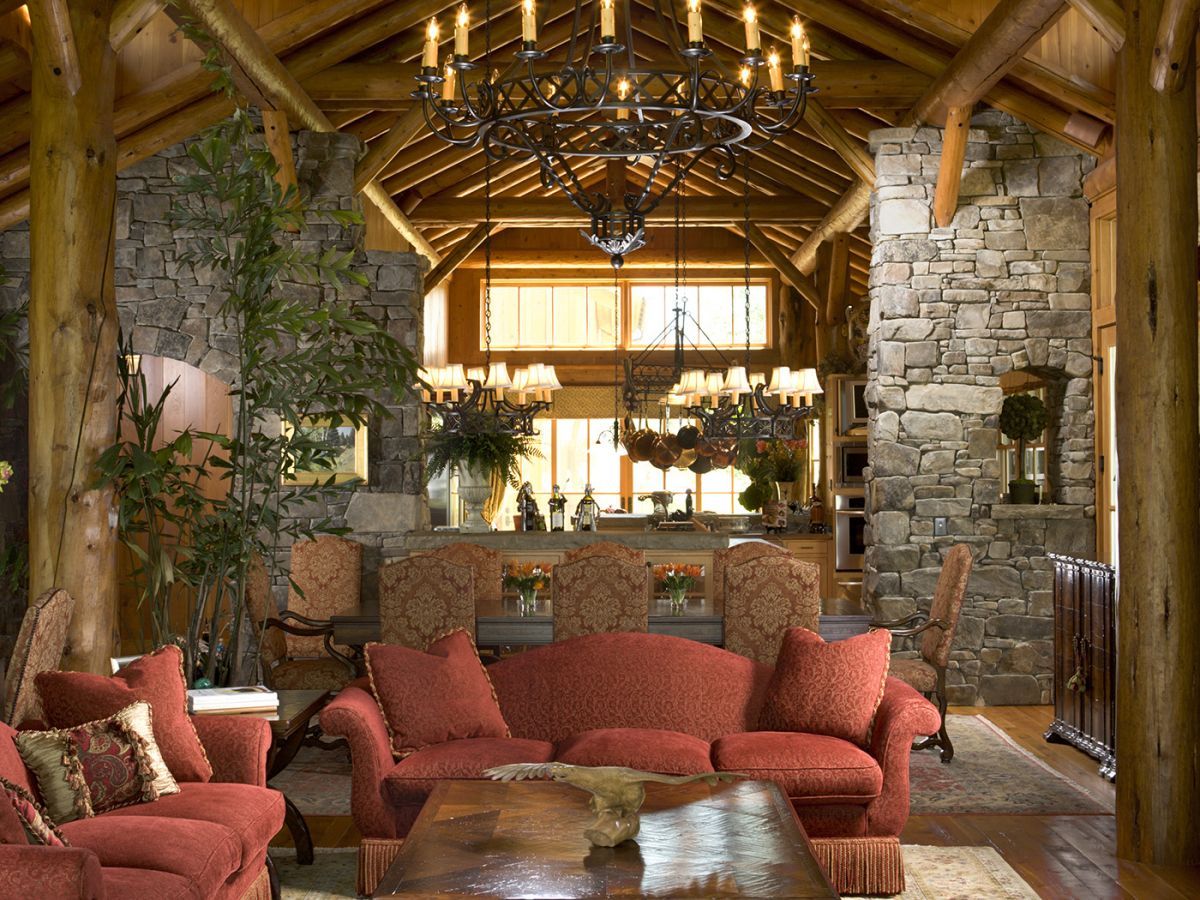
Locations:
{"points": [[73, 384], [1158, 684]]}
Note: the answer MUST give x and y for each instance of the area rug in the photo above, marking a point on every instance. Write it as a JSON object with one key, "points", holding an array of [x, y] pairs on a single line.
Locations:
{"points": [[991, 774], [317, 781], [931, 873]]}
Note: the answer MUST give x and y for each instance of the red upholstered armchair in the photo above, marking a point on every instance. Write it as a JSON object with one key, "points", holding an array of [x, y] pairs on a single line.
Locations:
{"points": [[209, 840]]}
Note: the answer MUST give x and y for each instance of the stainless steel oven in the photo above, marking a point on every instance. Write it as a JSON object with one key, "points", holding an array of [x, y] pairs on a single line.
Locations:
{"points": [[851, 464], [850, 522]]}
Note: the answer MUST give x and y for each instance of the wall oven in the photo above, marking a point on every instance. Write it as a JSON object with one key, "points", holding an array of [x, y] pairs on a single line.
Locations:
{"points": [[851, 464], [850, 522]]}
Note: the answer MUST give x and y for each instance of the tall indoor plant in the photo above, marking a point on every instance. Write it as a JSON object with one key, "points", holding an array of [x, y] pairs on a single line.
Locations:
{"points": [[14, 380], [1022, 418], [296, 360]]}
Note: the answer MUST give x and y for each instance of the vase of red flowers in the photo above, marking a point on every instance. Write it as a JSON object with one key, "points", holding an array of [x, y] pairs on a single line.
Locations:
{"points": [[676, 579], [527, 579]]}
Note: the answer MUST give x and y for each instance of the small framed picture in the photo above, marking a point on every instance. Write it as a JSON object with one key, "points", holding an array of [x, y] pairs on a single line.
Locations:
{"points": [[350, 444]]}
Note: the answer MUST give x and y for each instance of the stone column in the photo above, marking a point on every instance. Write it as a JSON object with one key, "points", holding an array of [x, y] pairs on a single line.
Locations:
{"points": [[1004, 287]]}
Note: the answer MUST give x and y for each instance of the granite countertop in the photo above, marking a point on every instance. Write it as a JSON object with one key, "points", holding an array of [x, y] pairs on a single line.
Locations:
{"points": [[566, 540]]}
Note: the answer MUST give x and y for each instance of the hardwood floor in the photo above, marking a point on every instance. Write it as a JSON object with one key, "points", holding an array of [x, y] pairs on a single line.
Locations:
{"points": [[1059, 856]]}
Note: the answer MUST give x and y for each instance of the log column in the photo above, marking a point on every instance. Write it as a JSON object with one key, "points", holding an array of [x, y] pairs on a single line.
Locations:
{"points": [[1158, 695], [73, 385]]}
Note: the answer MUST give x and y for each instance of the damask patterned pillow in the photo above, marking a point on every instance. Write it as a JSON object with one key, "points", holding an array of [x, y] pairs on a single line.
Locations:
{"points": [[70, 698], [32, 824], [827, 688], [98, 766], [440, 695]]}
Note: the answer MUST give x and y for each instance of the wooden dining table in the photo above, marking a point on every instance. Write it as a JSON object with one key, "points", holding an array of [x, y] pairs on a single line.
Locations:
{"points": [[500, 623]]}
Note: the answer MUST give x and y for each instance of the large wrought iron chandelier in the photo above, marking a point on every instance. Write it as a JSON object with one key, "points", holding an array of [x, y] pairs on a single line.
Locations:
{"points": [[606, 100]]}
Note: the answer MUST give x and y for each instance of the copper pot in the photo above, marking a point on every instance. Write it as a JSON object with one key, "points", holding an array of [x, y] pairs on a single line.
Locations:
{"points": [[705, 447], [643, 444], [663, 456], [688, 437], [686, 458], [702, 465]]}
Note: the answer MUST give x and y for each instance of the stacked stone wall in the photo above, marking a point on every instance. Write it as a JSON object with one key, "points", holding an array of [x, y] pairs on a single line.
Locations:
{"points": [[1004, 288], [170, 308]]}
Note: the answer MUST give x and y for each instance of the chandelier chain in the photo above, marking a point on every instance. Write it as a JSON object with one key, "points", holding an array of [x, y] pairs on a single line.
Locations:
{"points": [[746, 254], [487, 209]]}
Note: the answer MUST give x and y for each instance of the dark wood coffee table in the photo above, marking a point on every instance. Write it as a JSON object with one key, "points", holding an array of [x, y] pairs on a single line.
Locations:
{"points": [[504, 839]]}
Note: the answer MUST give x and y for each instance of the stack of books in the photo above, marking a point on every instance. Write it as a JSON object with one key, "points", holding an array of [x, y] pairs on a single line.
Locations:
{"points": [[233, 700]]}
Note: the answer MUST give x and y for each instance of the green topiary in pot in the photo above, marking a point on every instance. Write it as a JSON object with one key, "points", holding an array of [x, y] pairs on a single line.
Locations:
{"points": [[1023, 418]]}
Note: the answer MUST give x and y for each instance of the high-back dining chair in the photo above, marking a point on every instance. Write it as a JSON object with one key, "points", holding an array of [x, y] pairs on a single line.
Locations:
{"points": [[328, 572], [487, 564], [766, 596], [40, 645], [600, 594], [423, 597], [737, 554], [282, 669], [608, 549], [927, 673]]}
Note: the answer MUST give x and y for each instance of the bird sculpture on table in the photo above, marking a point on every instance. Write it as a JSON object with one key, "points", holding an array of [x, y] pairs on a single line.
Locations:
{"points": [[617, 792]]}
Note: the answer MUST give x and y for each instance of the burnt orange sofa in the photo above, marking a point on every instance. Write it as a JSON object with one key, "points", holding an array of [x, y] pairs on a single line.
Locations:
{"points": [[208, 841], [662, 704]]}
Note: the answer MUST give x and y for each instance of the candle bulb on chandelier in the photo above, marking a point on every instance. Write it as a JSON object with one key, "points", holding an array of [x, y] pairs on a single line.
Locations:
{"points": [[623, 94], [745, 76], [800, 46], [429, 59], [528, 22], [462, 26], [448, 83], [608, 20], [753, 43], [695, 24], [775, 71], [432, 36]]}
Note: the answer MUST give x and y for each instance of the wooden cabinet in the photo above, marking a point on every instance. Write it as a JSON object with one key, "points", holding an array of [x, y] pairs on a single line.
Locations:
{"points": [[1085, 659]]}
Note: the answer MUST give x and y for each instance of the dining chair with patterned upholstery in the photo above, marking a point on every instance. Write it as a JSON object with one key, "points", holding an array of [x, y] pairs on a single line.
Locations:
{"points": [[487, 564], [927, 673], [326, 579], [422, 598], [608, 549], [283, 669], [764, 597], [599, 594], [737, 554], [40, 645]]}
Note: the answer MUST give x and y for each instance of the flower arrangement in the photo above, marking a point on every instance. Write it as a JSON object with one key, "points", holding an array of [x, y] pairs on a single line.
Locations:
{"points": [[765, 462], [527, 576], [6, 474], [676, 576]]}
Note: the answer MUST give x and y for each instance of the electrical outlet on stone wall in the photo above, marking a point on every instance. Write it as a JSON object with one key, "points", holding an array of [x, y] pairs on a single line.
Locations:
{"points": [[941, 526]]}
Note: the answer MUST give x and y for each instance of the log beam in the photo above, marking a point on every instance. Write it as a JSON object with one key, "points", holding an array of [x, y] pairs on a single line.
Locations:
{"points": [[73, 386], [243, 44], [54, 38], [845, 215], [452, 260], [279, 142], [954, 152], [1107, 17], [129, 18], [555, 211], [1173, 45], [1158, 632], [787, 270], [849, 148], [1001, 39]]}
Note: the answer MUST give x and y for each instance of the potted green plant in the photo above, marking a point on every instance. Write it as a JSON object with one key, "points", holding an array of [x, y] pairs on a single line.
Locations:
{"points": [[485, 457], [1022, 418]]}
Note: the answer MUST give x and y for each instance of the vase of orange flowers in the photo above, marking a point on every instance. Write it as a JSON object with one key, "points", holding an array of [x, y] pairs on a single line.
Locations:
{"points": [[527, 579], [676, 579]]}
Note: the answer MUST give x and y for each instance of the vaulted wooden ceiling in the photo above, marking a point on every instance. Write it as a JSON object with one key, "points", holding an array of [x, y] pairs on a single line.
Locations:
{"points": [[874, 62]]}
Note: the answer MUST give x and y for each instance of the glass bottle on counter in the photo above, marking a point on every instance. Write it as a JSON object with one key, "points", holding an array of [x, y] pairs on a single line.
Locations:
{"points": [[587, 512], [558, 510]]}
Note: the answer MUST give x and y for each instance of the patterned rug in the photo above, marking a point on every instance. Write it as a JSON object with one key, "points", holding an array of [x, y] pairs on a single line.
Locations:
{"points": [[931, 873], [989, 774]]}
